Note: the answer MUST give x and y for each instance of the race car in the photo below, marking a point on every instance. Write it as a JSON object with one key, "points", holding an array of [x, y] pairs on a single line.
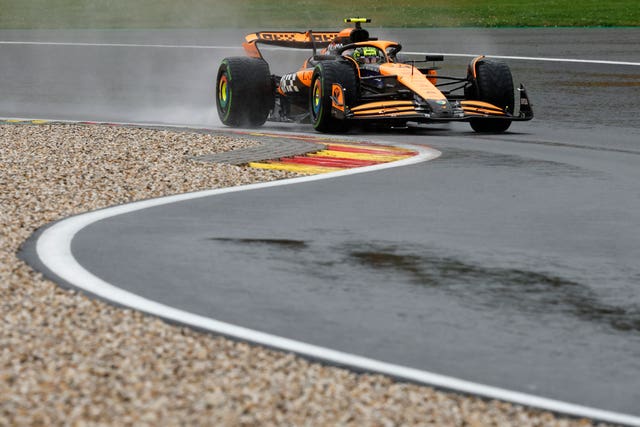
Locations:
{"points": [[351, 77]]}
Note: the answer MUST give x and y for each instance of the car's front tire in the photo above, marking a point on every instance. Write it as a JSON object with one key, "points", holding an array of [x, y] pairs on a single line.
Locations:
{"points": [[493, 83], [325, 74], [244, 92]]}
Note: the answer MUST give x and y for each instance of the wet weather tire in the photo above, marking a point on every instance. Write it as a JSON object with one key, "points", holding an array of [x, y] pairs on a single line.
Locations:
{"points": [[244, 92], [493, 84], [325, 74]]}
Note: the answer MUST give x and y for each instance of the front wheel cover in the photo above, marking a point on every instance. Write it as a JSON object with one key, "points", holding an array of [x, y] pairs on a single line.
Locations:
{"points": [[493, 84], [320, 105]]}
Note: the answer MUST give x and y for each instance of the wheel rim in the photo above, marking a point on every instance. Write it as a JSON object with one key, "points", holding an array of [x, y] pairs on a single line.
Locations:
{"points": [[223, 92], [316, 98]]}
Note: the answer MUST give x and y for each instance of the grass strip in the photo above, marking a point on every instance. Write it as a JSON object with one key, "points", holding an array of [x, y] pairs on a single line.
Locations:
{"points": [[210, 14]]}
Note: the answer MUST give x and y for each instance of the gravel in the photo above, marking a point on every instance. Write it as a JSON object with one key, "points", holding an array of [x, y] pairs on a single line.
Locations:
{"points": [[66, 359]]}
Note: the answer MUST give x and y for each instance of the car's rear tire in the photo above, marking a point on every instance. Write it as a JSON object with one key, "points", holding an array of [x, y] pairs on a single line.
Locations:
{"points": [[493, 83], [325, 74], [244, 92]]}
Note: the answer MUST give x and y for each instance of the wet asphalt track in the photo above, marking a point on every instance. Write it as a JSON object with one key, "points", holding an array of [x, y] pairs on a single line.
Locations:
{"points": [[512, 260]]}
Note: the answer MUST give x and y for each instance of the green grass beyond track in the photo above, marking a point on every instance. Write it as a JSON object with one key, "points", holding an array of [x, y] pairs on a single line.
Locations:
{"points": [[318, 14]]}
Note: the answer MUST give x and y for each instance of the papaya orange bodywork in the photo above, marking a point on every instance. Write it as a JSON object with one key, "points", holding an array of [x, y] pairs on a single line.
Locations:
{"points": [[305, 76], [382, 105], [384, 109], [337, 97], [413, 79], [481, 108], [251, 50], [365, 85], [293, 39], [473, 65], [432, 76]]}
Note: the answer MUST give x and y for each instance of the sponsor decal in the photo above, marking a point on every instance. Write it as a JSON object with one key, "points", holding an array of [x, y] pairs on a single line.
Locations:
{"points": [[305, 77], [288, 83], [323, 37], [277, 36], [334, 46], [293, 36]]}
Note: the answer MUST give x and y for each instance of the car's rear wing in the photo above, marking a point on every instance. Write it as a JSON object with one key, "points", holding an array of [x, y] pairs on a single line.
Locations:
{"points": [[292, 39]]}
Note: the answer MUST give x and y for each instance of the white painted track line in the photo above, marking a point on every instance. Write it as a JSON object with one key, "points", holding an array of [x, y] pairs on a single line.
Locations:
{"points": [[54, 250], [160, 46], [531, 58], [206, 47]]}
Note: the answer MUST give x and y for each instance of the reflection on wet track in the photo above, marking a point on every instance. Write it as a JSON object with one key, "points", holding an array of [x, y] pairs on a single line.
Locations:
{"points": [[505, 289], [511, 291], [510, 261]]}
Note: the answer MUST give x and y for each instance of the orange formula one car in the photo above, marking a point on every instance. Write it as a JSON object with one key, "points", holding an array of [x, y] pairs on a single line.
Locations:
{"points": [[351, 77]]}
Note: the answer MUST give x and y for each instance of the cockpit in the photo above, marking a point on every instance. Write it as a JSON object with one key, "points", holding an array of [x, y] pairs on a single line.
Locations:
{"points": [[366, 55], [374, 53]]}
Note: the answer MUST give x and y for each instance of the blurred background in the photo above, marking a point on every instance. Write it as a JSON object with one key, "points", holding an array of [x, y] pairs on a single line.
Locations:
{"points": [[147, 14]]}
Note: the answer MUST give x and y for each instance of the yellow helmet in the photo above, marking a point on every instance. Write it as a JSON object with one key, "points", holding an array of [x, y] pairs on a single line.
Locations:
{"points": [[367, 55]]}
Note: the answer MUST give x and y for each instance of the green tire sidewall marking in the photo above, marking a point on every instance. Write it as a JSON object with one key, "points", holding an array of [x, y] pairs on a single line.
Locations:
{"points": [[320, 79], [317, 97], [223, 91], [227, 72]]}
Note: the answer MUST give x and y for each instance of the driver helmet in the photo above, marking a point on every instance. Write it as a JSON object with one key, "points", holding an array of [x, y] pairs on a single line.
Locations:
{"points": [[367, 55]]}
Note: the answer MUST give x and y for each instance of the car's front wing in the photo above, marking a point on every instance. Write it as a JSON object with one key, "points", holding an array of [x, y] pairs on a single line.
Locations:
{"points": [[412, 110]]}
